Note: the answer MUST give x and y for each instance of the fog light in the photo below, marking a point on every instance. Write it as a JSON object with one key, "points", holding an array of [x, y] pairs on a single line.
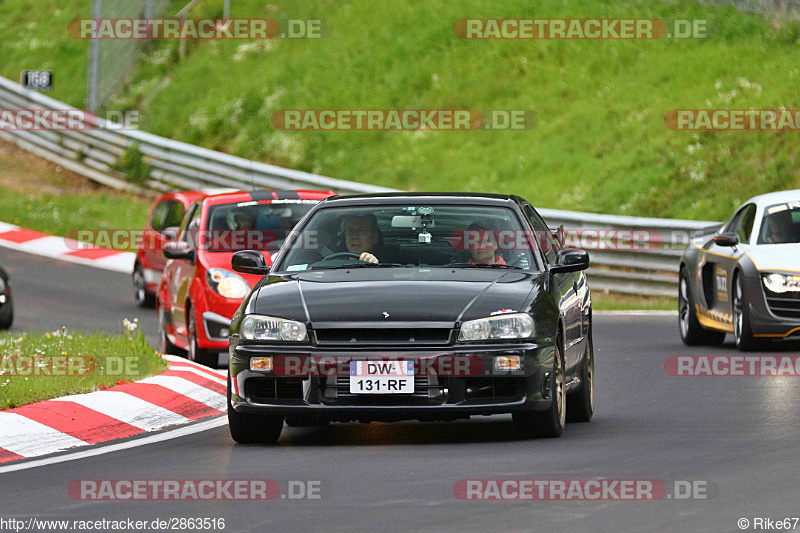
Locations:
{"points": [[508, 362], [224, 333], [261, 364]]}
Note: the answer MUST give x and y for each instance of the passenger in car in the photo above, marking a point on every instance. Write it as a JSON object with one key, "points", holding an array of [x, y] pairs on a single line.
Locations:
{"points": [[482, 245], [781, 229]]}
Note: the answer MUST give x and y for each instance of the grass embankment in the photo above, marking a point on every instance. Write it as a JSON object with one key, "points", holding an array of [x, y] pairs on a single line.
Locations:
{"points": [[600, 143], [36, 367], [40, 195]]}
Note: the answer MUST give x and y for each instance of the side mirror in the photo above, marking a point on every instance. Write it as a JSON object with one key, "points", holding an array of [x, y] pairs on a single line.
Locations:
{"points": [[178, 250], [170, 233], [571, 260], [249, 262], [726, 239]]}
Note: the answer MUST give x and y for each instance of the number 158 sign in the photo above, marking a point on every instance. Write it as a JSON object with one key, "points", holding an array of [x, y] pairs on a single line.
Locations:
{"points": [[37, 80]]}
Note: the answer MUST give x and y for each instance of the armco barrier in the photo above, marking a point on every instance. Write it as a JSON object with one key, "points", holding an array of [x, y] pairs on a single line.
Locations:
{"points": [[177, 165]]}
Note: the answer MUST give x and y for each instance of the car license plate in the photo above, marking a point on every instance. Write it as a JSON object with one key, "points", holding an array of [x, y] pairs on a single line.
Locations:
{"points": [[381, 377]]}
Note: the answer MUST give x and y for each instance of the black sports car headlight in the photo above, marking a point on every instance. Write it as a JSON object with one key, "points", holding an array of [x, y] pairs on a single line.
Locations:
{"points": [[781, 283], [267, 328], [501, 327]]}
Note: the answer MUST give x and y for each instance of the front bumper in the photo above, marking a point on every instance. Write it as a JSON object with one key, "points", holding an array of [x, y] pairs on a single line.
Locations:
{"points": [[772, 316], [324, 393]]}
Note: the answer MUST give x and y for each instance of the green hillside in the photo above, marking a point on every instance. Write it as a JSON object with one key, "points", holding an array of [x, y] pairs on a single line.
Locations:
{"points": [[600, 142]]}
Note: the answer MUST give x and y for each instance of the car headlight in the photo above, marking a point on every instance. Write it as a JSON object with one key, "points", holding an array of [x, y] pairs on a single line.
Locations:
{"points": [[227, 283], [510, 326], [781, 283], [3, 286], [267, 328]]}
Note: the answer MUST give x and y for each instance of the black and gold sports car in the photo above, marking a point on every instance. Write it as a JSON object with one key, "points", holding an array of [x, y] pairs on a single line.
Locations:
{"points": [[426, 306], [744, 277]]}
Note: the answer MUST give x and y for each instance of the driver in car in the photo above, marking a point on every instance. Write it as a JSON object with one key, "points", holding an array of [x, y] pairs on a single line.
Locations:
{"points": [[361, 236], [780, 228]]}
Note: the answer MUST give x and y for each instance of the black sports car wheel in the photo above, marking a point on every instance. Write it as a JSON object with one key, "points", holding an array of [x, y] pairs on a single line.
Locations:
{"points": [[249, 428], [580, 404], [692, 333], [549, 423]]}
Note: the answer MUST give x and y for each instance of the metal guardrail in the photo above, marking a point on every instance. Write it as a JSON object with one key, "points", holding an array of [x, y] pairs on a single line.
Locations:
{"points": [[177, 165]]}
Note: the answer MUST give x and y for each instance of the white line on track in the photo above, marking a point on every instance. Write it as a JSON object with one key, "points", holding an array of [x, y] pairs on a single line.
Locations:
{"points": [[143, 441]]}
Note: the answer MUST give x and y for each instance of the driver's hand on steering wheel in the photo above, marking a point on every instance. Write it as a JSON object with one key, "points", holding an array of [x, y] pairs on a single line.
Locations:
{"points": [[368, 257]]}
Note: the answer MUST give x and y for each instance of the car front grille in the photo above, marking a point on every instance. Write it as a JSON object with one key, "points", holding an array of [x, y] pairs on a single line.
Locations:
{"points": [[263, 389], [383, 336], [785, 305]]}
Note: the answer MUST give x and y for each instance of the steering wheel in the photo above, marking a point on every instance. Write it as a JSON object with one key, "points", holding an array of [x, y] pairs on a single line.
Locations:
{"points": [[342, 254]]}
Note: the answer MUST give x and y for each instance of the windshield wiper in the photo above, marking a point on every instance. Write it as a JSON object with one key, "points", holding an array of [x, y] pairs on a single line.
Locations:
{"points": [[478, 265], [360, 264]]}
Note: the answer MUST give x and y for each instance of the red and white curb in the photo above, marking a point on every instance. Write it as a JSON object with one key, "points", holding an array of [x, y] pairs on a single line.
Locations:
{"points": [[183, 393], [35, 242]]}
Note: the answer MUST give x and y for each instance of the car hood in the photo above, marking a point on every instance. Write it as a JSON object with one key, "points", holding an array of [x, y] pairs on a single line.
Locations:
{"points": [[391, 295], [776, 257]]}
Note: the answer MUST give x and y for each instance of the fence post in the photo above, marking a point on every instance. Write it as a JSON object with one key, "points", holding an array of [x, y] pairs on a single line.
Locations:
{"points": [[94, 62]]}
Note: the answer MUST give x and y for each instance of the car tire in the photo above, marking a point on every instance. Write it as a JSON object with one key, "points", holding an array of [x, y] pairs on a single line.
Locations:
{"points": [[549, 423], [166, 346], [302, 421], [140, 294], [580, 404], [195, 353], [742, 331], [692, 333], [248, 428], [7, 315]]}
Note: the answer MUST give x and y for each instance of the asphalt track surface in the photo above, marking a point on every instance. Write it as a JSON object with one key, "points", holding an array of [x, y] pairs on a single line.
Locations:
{"points": [[738, 435]]}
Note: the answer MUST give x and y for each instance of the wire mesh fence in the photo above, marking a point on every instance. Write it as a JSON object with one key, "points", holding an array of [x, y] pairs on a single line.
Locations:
{"points": [[112, 61]]}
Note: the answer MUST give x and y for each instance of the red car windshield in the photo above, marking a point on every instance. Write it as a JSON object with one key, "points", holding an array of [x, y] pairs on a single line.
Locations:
{"points": [[253, 226]]}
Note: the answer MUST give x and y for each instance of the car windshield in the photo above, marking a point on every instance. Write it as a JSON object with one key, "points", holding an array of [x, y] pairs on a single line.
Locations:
{"points": [[780, 224], [461, 236], [253, 226]]}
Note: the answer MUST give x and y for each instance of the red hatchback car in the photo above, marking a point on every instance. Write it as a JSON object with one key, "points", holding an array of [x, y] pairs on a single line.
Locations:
{"points": [[162, 225], [199, 292]]}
